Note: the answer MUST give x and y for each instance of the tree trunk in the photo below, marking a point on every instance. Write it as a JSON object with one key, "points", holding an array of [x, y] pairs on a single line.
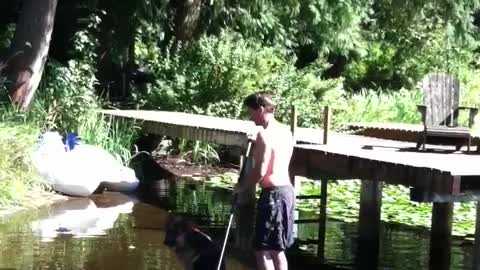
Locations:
{"points": [[30, 49], [187, 17]]}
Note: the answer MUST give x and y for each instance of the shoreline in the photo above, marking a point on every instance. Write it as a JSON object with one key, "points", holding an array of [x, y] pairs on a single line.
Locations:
{"points": [[34, 199], [175, 166]]}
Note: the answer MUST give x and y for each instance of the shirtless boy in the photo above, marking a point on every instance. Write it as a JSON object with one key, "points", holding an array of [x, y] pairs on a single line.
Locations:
{"points": [[271, 153]]}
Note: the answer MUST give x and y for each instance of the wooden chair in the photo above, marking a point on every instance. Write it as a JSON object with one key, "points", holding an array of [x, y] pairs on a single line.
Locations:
{"points": [[441, 94]]}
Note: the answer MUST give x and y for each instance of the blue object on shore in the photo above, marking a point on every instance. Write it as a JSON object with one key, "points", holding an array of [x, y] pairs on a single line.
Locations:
{"points": [[72, 140]]}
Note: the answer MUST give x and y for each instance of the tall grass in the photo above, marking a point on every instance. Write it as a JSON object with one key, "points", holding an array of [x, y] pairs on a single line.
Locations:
{"points": [[386, 106], [114, 135], [19, 133], [470, 93], [17, 175], [379, 106]]}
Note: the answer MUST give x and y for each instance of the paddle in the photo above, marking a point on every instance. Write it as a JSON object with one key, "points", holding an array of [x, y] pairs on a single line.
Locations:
{"points": [[240, 177]]}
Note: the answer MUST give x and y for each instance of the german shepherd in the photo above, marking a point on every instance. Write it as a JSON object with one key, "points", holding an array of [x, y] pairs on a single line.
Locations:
{"points": [[194, 249]]}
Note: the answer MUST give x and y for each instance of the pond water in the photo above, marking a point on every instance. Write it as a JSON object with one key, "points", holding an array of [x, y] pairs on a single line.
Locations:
{"points": [[116, 231]]}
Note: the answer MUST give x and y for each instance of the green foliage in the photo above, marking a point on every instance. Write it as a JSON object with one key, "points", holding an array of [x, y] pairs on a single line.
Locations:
{"points": [[383, 50], [388, 66], [114, 135], [470, 87], [339, 26], [198, 152], [201, 200], [402, 49], [209, 72], [65, 102], [379, 106], [226, 180], [17, 139], [66, 97], [213, 76], [6, 36], [203, 153], [330, 26], [459, 18], [469, 93], [19, 132]]}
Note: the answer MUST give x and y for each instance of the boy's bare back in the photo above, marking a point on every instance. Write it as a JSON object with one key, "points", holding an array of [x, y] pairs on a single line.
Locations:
{"points": [[278, 143]]}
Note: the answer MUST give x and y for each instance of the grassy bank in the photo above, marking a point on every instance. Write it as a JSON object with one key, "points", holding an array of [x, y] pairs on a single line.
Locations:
{"points": [[19, 138], [17, 175]]}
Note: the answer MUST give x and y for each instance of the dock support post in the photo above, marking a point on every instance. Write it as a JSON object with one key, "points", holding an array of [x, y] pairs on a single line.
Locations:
{"points": [[293, 120], [296, 181], [369, 224], [293, 127], [245, 215], [441, 236], [476, 248], [322, 220], [326, 123]]}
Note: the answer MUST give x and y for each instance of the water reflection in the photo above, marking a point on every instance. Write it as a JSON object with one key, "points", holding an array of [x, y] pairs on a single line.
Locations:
{"points": [[114, 231], [200, 201], [80, 217]]}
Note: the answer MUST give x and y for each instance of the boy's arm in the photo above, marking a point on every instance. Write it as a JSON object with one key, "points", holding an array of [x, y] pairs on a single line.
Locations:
{"points": [[261, 156]]}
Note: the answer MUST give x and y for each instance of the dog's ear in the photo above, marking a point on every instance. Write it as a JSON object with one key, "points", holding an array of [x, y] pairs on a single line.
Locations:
{"points": [[168, 220], [173, 230]]}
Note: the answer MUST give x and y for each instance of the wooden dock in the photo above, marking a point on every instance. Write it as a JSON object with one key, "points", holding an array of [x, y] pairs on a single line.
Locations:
{"points": [[344, 157], [446, 174]]}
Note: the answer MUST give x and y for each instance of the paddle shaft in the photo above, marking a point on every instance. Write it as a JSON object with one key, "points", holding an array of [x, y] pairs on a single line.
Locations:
{"points": [[235, 196]]}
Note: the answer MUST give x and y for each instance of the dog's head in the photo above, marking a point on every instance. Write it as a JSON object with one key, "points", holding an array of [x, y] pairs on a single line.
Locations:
{"points": [[176, 227], [189, 243]]}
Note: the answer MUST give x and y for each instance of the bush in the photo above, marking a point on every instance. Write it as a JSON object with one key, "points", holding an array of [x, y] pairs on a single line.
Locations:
{"points": [[469, 93], [67, 103], [213, 75], [66, 97]]}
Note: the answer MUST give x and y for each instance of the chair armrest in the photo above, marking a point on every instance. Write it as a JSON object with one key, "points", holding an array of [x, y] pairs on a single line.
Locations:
{"points": [[467, 108], [471, 116], [423, 110]]}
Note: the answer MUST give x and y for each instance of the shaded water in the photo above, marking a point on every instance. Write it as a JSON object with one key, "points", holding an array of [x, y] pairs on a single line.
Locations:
{"points": [[114, 231]]}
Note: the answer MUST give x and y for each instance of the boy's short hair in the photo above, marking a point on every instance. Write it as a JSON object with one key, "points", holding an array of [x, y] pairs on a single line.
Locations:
{"points": [[260, 99]]}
